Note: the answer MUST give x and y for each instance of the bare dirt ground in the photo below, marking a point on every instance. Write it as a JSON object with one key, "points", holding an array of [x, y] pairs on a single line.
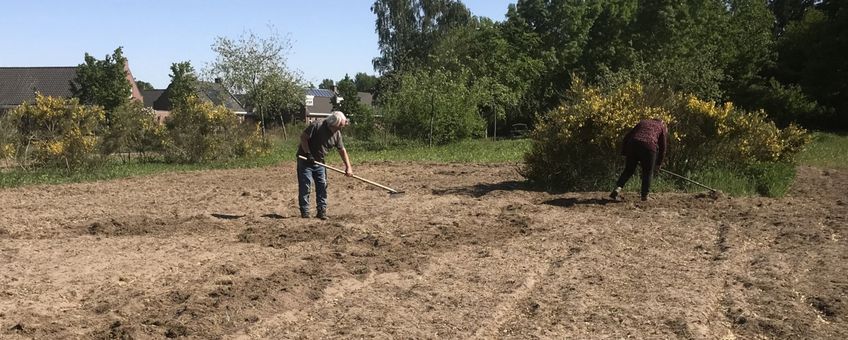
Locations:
{"points": [[467, 252]]}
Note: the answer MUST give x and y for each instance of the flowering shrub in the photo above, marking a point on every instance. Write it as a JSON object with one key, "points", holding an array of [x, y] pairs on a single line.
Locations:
{"points": [[199, 131], [132, 128], [55, 131], [577, 146]]}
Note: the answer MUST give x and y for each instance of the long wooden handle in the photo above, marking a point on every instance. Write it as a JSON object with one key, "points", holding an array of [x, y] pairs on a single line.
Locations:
{"points": [[354, 176], [691, 181]]}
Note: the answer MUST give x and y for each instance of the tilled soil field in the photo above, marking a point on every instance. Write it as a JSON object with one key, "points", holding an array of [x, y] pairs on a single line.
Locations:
{"points": [[466, 252]]}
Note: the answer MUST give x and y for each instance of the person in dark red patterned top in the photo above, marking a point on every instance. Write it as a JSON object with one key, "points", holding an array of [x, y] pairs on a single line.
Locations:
{"points": [[645, 144]]}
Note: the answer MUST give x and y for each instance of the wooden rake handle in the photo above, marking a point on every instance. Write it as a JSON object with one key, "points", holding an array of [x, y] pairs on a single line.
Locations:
{"points": [[393, 191], [689, 180]]}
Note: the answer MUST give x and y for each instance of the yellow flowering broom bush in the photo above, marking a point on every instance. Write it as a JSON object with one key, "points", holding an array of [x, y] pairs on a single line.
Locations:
{"points": [[577, 146], [55, 132], [199, 131]]}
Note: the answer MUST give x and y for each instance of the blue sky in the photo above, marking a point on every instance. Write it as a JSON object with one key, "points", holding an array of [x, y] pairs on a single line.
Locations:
{"points": [[329, 38]]}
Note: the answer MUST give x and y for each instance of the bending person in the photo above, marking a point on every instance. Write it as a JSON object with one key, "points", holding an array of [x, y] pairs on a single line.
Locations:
{"points": [[316, 139], [645, 144]]}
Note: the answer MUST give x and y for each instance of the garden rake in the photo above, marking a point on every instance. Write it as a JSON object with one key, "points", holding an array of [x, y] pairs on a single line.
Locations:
{"points": [[712, 191], [392, 192]]}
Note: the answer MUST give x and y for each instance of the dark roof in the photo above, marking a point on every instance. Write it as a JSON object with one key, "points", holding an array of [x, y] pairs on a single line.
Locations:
{"points": [[365, 98], [211, 92], [150, 96], [19, 84], [218, 95], [320, 93]]}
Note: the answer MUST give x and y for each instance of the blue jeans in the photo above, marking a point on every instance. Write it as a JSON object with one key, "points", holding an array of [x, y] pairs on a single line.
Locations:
{"points": [[306, 174]]}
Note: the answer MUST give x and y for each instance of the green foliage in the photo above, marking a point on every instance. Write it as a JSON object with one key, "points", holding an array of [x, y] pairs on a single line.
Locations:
{"points": [[772, 179], [278, 95], [786, 104], [433, 106], [255, 66], [133, 129], [327, 84], [102, 82], [408, 30], [55, 132], [183, 85], [827, 150], [366, 83], [811, 55], [480, 50], [200, 132], [577, 145], [360, 115], [143, 85]]}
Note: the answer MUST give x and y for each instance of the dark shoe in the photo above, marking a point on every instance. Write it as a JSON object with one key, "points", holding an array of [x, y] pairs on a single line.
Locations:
{"points": [[304, 214], [614, 194], [644, 198], [322, 214]]}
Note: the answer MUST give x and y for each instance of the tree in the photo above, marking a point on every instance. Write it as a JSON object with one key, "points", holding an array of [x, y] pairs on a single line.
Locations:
{"points": [[102, 82], [811, 55], [360, 115], [143, 85], [327, 84], [365, 82], [280, 96], [786, 11], [243, 63], [434, 106], [183, 85], [408, 29], [502, 73]]}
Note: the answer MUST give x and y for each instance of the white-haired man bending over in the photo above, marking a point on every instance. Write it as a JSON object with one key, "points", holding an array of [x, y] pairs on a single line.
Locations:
{"points": [[315, 141]]}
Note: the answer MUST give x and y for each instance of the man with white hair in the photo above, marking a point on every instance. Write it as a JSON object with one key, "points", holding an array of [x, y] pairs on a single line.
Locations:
{"points": [[316, 139]]}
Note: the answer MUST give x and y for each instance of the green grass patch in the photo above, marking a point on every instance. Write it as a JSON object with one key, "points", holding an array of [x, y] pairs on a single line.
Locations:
{"points": [[468, 151], [773, 180], [766, 179], [828, 150], [471, 151]]}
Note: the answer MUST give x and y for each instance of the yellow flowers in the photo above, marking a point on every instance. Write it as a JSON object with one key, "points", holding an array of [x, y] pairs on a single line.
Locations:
{"points": [[581, 139], [8, 150], [61, 130], [750, 136]]}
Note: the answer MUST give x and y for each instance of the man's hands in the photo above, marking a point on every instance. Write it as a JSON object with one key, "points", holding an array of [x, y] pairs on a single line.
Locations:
{"points": [[309, 159], [348, 171]]}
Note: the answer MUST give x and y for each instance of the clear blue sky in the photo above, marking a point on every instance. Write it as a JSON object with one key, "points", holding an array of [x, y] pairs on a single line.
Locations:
{"points": [[329, 38]]}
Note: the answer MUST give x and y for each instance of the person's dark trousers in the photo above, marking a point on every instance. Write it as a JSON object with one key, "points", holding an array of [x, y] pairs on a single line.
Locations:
{"points": [[306, 175], [639, 153]]}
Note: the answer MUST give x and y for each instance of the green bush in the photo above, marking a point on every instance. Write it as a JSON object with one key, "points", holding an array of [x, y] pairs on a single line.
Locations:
{"points": [[132, 129], [434, 106], [771, 179], [200, 132]]}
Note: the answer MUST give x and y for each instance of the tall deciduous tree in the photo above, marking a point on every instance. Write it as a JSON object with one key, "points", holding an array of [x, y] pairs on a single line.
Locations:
{"points": [[242, 64], [183, 84], [327, 84], [408, 29], [103, 82], [143, 85], [365, 82]]}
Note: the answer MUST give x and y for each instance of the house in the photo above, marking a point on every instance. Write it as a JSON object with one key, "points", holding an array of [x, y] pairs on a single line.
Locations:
{"points": [[212, 92], [318, 103], [20, 84]]}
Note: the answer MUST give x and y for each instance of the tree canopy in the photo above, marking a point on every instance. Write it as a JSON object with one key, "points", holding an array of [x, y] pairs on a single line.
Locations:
{"points": [[102, 82]]}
